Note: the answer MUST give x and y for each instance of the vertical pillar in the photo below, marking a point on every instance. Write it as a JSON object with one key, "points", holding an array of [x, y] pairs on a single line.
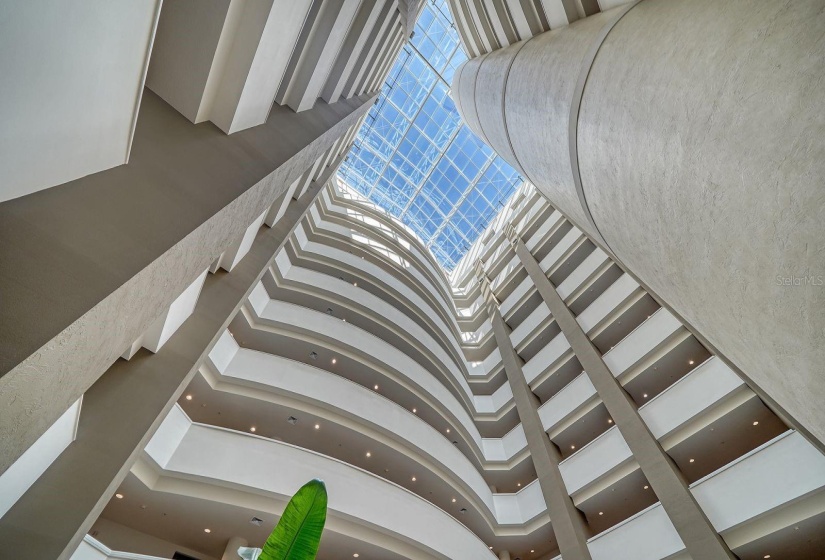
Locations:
{"points": [[387, 15], [350, 52], [504, 555], [568, 523], [231, 552], [693, 526], [316, 59]]}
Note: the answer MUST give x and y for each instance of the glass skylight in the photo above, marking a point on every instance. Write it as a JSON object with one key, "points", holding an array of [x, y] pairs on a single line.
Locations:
{"points": [[416, 159]]}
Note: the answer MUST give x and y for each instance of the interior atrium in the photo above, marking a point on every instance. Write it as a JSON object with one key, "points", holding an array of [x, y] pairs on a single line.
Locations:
{"points": [[516, 279]]}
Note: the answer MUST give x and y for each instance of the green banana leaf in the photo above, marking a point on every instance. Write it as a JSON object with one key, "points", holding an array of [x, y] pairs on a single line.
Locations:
{"points": [[298, 533]]}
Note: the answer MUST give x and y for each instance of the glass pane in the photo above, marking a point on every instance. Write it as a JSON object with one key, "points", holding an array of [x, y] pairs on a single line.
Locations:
{"points": [[415, 158]]}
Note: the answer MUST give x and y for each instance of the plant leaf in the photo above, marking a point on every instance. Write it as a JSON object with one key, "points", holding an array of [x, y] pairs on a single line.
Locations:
{"points": [[298, 533]]}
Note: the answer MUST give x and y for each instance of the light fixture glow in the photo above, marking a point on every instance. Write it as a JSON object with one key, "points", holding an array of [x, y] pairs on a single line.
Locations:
{"points": [[572, 447], [453, 500], [756, 423], [369, 454], [356, 554], [601, 513], [334, 360], [448, 430], [188, 397], [414, 411], [376, 387], [767, 556], [690, 362], [119, 496], [692, 460], [317, 426], [645, 395], [518, 484], [207, 530], [252, 429], [646, 486], [413, 479], [609, 420]]}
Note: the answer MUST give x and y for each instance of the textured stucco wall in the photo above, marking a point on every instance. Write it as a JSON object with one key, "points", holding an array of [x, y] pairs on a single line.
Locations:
{"points": [[85, 268], [701, 152]]}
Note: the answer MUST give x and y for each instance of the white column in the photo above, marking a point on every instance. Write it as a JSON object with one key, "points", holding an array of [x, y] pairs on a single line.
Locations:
{"points": [[231, 552], [329, 29], [360, 31]]}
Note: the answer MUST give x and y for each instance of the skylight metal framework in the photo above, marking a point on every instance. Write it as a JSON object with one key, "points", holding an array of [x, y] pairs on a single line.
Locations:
{"points": [[414, 156]]}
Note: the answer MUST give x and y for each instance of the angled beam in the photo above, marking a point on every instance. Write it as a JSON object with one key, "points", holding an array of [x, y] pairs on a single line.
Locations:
{"points": [[569, 524], [693, 526]]}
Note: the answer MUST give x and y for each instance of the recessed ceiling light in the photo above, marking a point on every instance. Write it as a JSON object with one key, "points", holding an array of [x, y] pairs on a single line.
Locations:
{"points": [[356, 554], [453, 500], [207, 530], [369, 454], [532, 551], [414, 411], [491, 548], [334, 360], [646, 486], [767, 556], [690, 362], [609, 420], [119, 496], [448, 430], [756, 422], [376, 387], [692, 460], [188, 397], [601, 513], [252, 429], [572, 447], [317, 426], [355, 284], [413, 479]]}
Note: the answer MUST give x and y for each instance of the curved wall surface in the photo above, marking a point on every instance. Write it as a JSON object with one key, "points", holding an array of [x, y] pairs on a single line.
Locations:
{"points": [[686, 136], [185, 450]]}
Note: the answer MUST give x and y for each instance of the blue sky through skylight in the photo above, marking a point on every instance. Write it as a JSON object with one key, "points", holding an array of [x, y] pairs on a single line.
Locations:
{"points": [[416, 159]]}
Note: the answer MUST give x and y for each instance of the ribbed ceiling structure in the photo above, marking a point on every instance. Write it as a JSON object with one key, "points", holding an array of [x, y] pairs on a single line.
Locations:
{"points": [[414, 156]]}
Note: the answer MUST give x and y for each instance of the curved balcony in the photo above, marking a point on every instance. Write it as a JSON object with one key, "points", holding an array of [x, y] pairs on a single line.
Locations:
{"points": [[264, 377], [188, 458], [778, 485], [327, 329]]}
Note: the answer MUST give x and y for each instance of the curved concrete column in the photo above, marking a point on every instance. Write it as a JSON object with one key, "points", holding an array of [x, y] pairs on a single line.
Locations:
{"points": [[686, 137]]}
